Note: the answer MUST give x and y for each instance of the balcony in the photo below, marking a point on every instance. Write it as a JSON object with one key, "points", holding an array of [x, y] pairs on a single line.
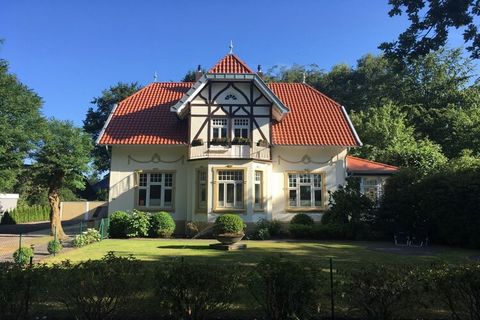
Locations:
{"points": [[230, 152]]}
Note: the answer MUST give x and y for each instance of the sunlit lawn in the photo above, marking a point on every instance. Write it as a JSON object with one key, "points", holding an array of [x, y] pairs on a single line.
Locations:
{"points": [[315, 251]]}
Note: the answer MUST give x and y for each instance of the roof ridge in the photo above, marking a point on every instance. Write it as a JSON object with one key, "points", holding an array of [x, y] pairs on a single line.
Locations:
{"points": [[152, 84], [371, 161], [220, 64]]}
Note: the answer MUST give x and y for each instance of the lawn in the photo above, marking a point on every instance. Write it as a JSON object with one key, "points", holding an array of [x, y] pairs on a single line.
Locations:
{"points": [[342, 252]]}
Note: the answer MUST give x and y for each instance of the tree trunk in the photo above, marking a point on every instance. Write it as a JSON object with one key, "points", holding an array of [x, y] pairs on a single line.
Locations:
{"points": [[55, 221]]}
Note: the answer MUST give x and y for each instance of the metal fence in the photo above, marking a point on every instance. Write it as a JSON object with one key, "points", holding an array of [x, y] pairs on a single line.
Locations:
{"points": [[13, 237]]}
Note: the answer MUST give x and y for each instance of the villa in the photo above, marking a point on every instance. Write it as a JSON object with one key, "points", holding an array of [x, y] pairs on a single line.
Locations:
{"points": [[229, 142]]}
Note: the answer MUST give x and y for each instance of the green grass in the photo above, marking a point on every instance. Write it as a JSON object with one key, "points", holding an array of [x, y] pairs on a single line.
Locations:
{"points": [[342, 252]]}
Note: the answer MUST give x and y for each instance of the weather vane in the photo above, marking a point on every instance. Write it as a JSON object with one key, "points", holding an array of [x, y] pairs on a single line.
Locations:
{"points": [[231, 46], [155, 77]]}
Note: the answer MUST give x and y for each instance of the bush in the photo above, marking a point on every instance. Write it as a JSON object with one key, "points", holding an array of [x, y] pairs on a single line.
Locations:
{"points": [[24, 213], [161, 225], [301, 231], [54, 247], [285, 290], [86, 237], [196, 291], [98, 289], [302, 218], [265, 229], [458, 289], [119, 221], [229, 223], [18, 288], [22, 255], [383, 292], [138, 225]]}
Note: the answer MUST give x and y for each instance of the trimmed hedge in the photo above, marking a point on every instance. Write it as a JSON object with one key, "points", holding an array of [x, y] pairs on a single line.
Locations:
{"points": [[161, 225], [119, 224], [303, 219], [321, 231], [229, 223], [23, 214]]}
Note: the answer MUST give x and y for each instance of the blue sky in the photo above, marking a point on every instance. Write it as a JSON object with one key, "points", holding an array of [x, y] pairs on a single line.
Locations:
{"points": [[69, 51]]}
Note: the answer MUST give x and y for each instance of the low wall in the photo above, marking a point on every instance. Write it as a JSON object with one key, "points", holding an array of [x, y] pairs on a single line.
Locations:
{"points": [[83, 210]]}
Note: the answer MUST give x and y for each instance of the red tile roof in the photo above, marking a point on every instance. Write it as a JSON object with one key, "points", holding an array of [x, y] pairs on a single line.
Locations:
{"points": [[145, 117], [230, 64], [363, 166], [314, 119]]}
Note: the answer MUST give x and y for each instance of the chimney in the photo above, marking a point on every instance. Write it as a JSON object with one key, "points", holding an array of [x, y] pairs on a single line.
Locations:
{"points": [[198, 73], [260, 71]]}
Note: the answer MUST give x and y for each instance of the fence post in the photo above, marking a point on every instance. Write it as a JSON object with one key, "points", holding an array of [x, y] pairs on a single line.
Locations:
{"points": [[54, 237], [331, 290], [20, 247], [81, 226], [101, 229]]}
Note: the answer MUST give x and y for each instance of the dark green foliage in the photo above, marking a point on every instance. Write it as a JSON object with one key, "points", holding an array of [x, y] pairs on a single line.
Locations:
{"points": [[161, 225], [21, 123], [430, 23], [138, 224], [229, 224], [458, 289], [22, 255], [383, 292], [443, 206], [86, 238], [196, 291], [98, 289], [265, 229], [24, 213], [97, 115], [322, 231], [284, 289], [302, 218], [19, 287], [54, 247], [119, 221]]}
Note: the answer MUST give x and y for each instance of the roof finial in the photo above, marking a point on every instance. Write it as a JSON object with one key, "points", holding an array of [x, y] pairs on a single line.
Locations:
{"points": [[155, 77], [304, 80], [231, 47]]}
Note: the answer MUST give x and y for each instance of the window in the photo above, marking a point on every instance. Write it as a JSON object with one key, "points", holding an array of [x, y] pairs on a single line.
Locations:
{"points": [[202, 190], [258, 189], [219, 128], [155, 190], [241, 128], [305, 190], [230, 189], [371, 187]]}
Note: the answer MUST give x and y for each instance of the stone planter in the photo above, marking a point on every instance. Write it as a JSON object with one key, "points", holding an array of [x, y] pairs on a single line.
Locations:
{"points": [[228, 238]]}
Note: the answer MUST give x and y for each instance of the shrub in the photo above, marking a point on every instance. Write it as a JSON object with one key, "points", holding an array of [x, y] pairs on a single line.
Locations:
{"points": [[22, 255], [138, 224], [24, 213], [119, 221], [301, 231], [98, 289], [86, 237], [284, 289], [18, 288], [54, 247], [265, 229], [196, 291], [458, 288], [302, 218], [229, 223], [197, 229], [162, 225], [383, 292]]}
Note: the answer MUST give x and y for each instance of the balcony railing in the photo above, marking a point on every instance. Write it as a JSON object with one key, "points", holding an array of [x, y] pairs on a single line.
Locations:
{"points": [[230, 152]]}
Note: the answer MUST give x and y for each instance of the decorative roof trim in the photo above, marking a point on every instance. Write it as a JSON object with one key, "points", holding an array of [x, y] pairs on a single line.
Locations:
{"points": [[181, 105], [105, 125], [350, 124]]}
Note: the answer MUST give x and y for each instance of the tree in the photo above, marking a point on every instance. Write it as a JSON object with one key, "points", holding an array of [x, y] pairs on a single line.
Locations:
{"points": [[430, 23], [20, 123], [96, 118], [60, 161], [388, 137]]}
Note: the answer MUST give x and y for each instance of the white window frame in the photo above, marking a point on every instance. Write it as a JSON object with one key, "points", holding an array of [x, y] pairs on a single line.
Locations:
{"points": [[296, 180], [145, 182], [372, 187], [220, 124], [242, 124], [258, 181], [235, 178]]}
